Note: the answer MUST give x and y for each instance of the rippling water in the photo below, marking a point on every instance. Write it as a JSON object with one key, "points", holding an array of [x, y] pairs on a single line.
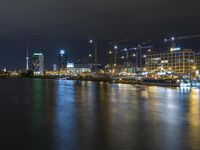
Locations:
{"points": [[73, 115]]}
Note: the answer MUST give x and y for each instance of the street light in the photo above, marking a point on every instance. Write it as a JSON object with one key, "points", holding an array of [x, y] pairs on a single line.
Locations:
{"points": [[115, 54], [95, 50], [91, 41]]}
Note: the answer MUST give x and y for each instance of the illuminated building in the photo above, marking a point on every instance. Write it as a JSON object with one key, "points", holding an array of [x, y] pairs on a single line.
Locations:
{"points": [[62, 60], [54, 67], [198, 61], [38, 63], [79, 68], [177, 60]]}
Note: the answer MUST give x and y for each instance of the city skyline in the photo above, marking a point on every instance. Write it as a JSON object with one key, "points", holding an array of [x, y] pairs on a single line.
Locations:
{"points": [[58, 25], [100, 74], [52, 57]]}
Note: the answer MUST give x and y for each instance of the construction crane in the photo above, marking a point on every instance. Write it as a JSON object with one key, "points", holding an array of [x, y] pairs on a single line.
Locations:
{"points": [[138, 49], [115, 43], [174, 39], [139, 54]]}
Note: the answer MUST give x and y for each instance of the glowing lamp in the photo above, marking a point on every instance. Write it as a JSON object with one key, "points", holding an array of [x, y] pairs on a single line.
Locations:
{"points": [[62, 52]]}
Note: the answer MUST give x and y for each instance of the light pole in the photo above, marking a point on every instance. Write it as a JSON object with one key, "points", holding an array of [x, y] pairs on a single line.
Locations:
{"points": [[134, 60], [90, 58], [110, 57], [115, 59], [95, 51]]}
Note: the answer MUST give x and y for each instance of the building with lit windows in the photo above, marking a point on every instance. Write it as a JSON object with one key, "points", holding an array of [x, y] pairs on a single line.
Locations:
{"points": [[38, 63], [198, 61], [178, 61], [198, 64]]}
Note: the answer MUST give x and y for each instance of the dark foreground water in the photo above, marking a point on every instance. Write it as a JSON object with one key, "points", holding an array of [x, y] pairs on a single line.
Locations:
{"points": [[71, 115]]}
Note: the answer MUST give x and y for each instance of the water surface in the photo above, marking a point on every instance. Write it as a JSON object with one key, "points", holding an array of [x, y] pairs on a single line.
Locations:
{"points": [[73, 115]]}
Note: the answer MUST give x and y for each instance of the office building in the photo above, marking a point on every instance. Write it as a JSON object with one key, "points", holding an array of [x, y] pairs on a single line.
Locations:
{"points": [[38, 63], [198, 61], [178, 61]]}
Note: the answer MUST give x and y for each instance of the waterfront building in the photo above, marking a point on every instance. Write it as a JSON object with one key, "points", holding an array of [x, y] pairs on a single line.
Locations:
{"points": [[75, 69], [198, 61], [178, 61], [198, 65], [38, 63]]}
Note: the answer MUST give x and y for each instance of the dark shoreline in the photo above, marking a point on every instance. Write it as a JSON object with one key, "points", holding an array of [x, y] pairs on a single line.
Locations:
{"points": [[100, 79]]}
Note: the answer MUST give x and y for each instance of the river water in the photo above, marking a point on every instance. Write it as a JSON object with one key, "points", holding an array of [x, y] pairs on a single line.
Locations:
{"points": [[73, 115]]}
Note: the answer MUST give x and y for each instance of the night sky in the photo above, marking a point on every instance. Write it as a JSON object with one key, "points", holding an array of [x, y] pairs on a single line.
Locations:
{"points": [[49, 25]]}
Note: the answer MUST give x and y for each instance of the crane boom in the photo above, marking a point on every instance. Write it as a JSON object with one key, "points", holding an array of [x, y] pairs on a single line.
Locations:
{"points": [[188, 37], [182, 38]]}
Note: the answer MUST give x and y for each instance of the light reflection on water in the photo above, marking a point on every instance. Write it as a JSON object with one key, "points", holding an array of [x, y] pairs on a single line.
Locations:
{"points": [[69, 115]]}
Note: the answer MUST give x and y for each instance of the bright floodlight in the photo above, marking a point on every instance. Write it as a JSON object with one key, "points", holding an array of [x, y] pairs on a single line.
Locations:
{"points": [[125, 49], [91, 41], [115, 47], [62, 52]]}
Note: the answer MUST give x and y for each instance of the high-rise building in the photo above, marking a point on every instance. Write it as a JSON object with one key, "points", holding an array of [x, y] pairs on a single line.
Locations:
{"points": [[198, 63], [177, 60], [62, 64], [38, 63]]}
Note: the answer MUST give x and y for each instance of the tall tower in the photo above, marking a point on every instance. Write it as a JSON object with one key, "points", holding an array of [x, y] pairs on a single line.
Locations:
{"points": [[62, 60], [27, 59]]}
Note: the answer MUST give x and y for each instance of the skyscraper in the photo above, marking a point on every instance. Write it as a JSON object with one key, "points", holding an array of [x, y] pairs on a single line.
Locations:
{"points": [[38, 63], [62, 60]]}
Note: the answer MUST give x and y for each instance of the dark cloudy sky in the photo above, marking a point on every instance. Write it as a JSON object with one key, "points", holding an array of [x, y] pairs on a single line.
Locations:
{"points": [[48, 25]]}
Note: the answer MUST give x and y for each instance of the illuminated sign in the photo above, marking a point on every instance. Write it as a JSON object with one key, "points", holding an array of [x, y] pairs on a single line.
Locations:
{"points": [[70, 65], [175, 49], [37, 54]]}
